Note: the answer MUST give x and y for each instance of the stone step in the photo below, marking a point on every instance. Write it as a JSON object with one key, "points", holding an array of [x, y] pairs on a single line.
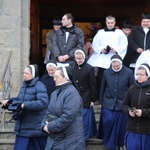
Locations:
{"points": [[7, 134], [97, 110], [7, 139], [6, 144], [91, 144], [94, 144], [8, 116], [8, 124]]}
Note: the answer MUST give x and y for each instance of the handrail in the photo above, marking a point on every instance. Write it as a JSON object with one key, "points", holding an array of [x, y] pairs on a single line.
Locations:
{"points": [[5, 69], [5, 87]]}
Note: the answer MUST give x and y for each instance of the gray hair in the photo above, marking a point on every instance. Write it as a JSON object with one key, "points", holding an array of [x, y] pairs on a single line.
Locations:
{"points": [[63, 72], [110, 18]]}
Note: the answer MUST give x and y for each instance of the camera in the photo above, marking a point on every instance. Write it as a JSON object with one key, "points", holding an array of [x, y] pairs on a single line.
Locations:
{"points": [[133, 109], [107, 49]]}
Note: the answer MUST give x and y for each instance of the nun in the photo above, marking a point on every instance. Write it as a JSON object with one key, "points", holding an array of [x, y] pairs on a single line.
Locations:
{"points": [[143, 58], [47, 78], [115, 83], [137, 107], [34, 99], [83, 77], [65, 131]]}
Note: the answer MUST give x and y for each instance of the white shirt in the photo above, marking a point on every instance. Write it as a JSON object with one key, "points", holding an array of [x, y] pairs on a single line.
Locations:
{"points": [[115, 39], [67, 35]]}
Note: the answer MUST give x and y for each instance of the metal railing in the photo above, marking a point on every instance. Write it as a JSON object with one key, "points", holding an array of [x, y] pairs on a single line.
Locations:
{"points": [[5, 87]]}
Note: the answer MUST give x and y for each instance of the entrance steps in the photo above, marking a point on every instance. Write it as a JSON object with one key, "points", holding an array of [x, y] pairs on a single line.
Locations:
{"points": [[7, 136]]}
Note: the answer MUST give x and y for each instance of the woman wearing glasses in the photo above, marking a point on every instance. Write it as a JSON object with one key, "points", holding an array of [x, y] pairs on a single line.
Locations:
{"points": [[137, 106]]}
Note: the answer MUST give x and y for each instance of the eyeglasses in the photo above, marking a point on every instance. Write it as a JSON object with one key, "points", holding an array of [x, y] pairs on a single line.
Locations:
{"points": [[141, 75]]}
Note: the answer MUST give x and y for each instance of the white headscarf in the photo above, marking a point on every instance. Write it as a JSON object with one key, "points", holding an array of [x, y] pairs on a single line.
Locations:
{"points": [[81, 52], [146, 68], [51, 64], [65, 73], [33, 71]]}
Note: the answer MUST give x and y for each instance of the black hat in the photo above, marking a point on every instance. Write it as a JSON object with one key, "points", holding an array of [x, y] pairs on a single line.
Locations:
{"points": [[127, 24], [116, 57], [56, 21], [147, 68], [145, 15]]}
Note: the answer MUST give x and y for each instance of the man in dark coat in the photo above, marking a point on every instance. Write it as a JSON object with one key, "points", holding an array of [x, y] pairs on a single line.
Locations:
{"points": [[139, 39], [49, 37], [127, 28], [67, 39]]}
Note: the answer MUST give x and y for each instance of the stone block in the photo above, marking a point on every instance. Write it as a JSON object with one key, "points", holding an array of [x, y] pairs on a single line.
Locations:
{"points": [[12, 7], [1, 60], [25, 19], [6, 22], [25, 42], [15, 82], [15, 60], [1, 6], [6, 38]]}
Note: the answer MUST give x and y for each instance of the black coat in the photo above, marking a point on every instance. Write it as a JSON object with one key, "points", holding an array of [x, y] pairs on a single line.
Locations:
{"points": [[84, 80], [75, 41], [136, 40], [138, 96], [114, 86], [48, 81]]}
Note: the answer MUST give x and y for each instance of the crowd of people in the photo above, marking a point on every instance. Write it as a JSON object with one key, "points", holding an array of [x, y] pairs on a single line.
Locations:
{"points": [[55, 111]]}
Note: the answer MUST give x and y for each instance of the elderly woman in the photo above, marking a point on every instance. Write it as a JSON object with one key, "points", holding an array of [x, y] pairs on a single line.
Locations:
{"points": [[66, 130], [34, 100], [47, 78], [137, 107], [115, 83]]}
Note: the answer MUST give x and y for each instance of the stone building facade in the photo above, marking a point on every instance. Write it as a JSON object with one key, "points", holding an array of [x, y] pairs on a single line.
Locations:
{"points": [[15, 37], [16, 16]]}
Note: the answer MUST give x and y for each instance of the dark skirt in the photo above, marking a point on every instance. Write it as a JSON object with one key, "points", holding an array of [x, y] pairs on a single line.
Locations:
{"points": [[90, 129], [112, 128], [25, 143], [135, 141]]}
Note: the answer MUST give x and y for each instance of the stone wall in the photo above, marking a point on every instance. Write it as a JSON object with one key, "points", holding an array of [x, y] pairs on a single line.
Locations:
{"points": [[15, 37]]}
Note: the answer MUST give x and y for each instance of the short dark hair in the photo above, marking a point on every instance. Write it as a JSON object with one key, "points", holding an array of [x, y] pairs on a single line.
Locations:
{"points": [[70, 16]]}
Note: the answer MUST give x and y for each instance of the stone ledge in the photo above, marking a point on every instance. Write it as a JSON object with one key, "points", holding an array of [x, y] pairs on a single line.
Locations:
{"points": [[95, 144], [7, 141], [94, 141], [7, 130]]}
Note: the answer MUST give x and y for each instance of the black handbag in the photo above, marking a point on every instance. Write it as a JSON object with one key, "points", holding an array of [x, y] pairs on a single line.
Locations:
{"points": [[50, 117], [16, 109]]}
